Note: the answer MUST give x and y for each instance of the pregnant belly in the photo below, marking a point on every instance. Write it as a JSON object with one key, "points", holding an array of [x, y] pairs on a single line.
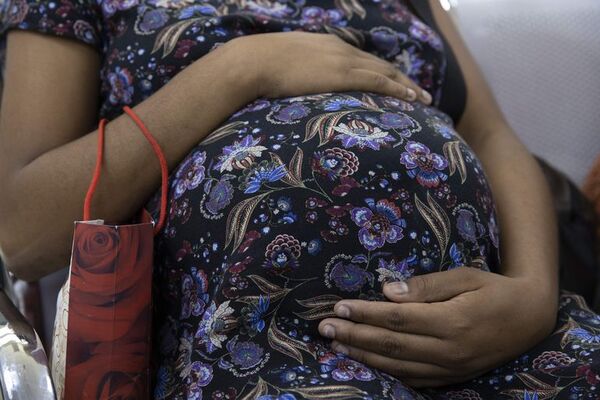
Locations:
{"points": [[297, 203]]}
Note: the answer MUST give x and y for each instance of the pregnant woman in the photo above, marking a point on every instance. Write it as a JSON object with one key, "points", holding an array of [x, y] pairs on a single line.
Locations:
{"points": [[332, 233]]}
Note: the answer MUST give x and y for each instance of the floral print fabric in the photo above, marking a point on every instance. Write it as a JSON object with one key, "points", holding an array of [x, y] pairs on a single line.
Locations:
{"points": [[294, 204], [303, 202]]}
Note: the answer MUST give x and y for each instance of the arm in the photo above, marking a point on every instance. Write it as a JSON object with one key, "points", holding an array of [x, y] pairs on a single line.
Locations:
{"points": [[48, 145], [47, 160]]}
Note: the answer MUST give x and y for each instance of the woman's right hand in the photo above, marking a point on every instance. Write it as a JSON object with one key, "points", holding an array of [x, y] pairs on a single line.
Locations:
{"points": [[299, 63]]}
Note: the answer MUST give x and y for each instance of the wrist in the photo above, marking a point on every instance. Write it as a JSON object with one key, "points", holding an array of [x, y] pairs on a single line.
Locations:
{"points": [[244, 67], [542, 299]]}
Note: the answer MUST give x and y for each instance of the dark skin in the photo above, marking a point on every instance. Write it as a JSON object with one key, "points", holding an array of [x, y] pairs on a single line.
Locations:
{"points": [[436, 330]]}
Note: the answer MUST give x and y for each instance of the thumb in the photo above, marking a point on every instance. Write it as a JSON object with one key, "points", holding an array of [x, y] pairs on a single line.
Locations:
{"points": [[437, 286]]}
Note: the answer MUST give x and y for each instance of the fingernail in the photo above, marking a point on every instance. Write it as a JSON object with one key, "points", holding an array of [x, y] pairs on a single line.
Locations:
{"points": [[426, 97], [411, 94], [340, 348], [329, 331], [398, 288], [342, 312]]}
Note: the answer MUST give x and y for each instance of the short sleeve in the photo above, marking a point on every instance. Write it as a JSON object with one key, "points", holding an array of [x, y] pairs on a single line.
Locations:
{"points": [[75, 19]]}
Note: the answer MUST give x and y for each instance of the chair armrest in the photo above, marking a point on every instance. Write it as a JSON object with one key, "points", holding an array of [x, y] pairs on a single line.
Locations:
{"points": [[24, 372]]}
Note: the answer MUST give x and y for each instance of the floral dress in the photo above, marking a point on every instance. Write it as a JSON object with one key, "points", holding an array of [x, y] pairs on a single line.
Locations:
{"points": [[294, 204]]}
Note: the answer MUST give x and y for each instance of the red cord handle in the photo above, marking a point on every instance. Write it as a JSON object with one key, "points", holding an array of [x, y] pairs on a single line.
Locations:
{"points": [[164, 170]]}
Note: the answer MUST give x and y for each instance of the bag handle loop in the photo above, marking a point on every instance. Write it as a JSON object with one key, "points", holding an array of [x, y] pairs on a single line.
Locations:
{"points": [[164, 170]]}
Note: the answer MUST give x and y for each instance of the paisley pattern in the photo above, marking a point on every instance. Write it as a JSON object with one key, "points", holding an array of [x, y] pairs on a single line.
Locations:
{"points": [[293, 204]]}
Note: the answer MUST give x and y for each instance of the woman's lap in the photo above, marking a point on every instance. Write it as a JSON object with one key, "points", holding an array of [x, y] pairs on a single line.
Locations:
{"points": [[295, 204]]}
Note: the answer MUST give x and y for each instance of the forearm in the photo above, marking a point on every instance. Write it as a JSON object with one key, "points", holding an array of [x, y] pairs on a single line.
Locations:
{"points": [[46, 195], [528, 231]]}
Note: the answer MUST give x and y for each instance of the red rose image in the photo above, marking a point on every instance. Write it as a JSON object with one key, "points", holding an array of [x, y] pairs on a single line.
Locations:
{"points": [[109, 326]]}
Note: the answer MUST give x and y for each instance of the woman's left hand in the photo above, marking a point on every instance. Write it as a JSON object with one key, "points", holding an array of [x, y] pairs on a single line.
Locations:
{"points": [[444, 327]]}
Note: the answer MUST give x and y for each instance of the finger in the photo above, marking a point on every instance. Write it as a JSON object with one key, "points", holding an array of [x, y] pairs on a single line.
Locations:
{"points": [[388, 69], [398, 368], [437, 286], [418, 318], [401, 346], [370, 81]]}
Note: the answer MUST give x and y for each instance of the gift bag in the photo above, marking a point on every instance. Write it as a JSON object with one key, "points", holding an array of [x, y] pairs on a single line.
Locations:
{"points": [[102, 333]]}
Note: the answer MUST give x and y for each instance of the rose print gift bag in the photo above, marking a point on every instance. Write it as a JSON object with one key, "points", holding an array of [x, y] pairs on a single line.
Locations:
{"points": [[101, 347]]}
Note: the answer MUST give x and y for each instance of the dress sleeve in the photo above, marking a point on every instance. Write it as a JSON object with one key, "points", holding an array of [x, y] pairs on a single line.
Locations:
{"points": [[75, 19]]}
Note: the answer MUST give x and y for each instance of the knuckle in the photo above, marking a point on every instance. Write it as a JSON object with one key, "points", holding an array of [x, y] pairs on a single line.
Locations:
{"points": [[396, 320], [421, 284], [391, 72], [390, 346], [460, 325], [398, 370], [380, 82], [348, 336], [461, 357], [358, 355]]}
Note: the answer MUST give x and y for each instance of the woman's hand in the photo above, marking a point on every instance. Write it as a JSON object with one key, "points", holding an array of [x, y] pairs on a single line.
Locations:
{"points": [[299, 63], [445, 327]]}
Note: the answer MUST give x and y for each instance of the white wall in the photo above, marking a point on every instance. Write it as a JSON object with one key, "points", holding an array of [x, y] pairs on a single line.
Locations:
{"points": [[542, 59]]}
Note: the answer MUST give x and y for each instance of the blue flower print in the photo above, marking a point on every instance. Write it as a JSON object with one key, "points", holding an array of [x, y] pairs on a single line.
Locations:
{"points": [[283, 396], [240, 155], [265, 172], [199, 376], [195, 294], [121, 85], [197, 9], [424, 165], [349, 277], [395, 271], [220, 196], [269, 8], [583, 336], [343, 369], [530, 395], [212, 326], [424, 33], [362, 135], [289, 114], [410, 63], [152, 20], [109, 7], [394, 120], [468, 228], [314, 17], [245, 354], [338, 103], [253, 315], [380, 223], [190, 173]]}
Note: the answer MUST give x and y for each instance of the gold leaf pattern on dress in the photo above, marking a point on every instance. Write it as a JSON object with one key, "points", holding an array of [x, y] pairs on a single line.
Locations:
{"points": [[438, 221], [323, 125], [317, 313], [260, 389], [238, 219], [333, 392], [322, 300], [281, 342], [351, 7], [455, 158], [223, 131]]}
